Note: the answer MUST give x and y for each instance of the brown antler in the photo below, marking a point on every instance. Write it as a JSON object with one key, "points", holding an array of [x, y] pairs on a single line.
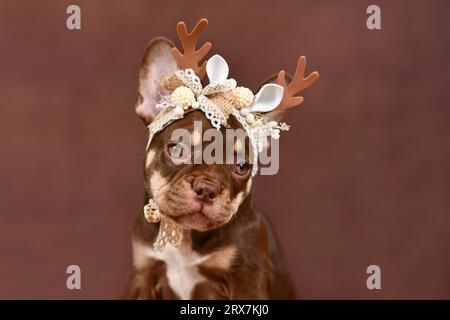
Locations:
{"points": [[191, 57], [297, 84]]}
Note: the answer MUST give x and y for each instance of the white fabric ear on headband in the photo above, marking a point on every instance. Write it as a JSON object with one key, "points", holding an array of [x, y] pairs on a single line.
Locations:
{"points": [[268, 98], [217, 69]]}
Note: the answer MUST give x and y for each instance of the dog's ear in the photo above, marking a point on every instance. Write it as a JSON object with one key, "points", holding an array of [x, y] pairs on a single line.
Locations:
{"points": [[158, 60]]}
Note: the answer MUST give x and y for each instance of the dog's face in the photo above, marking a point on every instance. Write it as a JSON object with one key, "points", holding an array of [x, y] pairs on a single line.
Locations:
{"points": [[197, 196]]}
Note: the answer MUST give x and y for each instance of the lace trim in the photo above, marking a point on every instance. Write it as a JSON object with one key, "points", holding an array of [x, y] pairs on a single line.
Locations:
{"points": [[163, 118], [214, 114], [190, 79], [217, 87]]}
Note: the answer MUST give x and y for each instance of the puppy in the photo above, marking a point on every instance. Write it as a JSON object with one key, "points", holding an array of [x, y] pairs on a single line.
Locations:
{"points": [[229, 249]]}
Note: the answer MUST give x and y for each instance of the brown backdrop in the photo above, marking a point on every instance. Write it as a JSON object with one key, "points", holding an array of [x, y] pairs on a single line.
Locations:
{"points": [[364, 173]]}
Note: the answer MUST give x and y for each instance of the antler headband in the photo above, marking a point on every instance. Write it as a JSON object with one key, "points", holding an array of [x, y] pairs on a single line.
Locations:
{"points": [[222, 97]]}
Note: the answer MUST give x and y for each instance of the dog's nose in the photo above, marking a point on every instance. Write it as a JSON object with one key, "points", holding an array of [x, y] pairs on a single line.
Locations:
{"points": [[205, 190]]}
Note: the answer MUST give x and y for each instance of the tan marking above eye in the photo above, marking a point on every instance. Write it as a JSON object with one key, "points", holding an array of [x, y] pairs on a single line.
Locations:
{"points": [[239, 145], [196, 137]]}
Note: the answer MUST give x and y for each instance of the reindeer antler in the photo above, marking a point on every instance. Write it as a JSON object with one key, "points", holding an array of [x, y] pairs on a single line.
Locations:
{"points": [[298, 83], [191, 57]]}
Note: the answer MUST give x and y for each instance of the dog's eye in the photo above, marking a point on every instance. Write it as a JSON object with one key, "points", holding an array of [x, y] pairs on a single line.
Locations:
{"points": [[241, 168], [175, 150]]}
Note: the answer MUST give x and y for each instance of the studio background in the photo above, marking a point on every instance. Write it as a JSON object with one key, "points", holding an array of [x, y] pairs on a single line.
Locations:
{"points": [[364, 176]]}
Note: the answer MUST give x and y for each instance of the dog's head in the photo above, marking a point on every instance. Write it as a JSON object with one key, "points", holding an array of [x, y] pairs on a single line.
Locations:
{"points": [[195, 192]]}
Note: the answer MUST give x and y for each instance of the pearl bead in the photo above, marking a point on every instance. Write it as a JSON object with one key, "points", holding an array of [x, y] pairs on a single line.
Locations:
{"points": [[179, 111], [250, 118], [243, 112], [195, 105]]}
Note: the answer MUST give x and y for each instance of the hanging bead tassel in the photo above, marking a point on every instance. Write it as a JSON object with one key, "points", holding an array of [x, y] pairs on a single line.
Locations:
{"points": [[169, 231]]}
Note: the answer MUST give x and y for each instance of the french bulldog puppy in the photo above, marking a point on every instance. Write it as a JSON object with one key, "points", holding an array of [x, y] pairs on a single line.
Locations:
{"points": [[229, 249]]}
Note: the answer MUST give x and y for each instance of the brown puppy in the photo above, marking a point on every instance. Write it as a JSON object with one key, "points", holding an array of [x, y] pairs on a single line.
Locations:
{"points": [[229, 250]]}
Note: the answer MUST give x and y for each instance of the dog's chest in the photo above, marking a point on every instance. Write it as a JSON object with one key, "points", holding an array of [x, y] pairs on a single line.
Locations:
{"points": [[182, 268]]}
